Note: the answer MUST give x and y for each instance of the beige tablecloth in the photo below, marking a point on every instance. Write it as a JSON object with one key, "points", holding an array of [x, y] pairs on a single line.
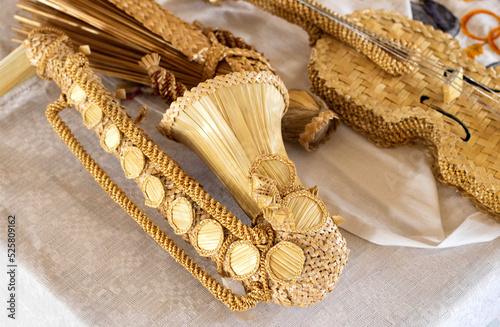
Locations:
{"points": [[83, 261]]}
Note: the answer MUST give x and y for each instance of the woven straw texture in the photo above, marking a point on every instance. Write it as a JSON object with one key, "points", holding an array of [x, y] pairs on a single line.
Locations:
{"points": [[387, 109], [322, 266]]}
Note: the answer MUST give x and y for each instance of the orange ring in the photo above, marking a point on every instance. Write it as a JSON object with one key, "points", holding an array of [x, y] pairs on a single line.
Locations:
{"points": [[492, 37], [467, 17]]}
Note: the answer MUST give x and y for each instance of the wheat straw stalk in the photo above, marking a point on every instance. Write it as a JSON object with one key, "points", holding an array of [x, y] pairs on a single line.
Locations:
{"points": [[15, 70]]}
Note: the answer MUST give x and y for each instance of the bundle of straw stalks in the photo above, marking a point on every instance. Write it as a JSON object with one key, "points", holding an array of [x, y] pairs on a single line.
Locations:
{"points": [[117, 40]]}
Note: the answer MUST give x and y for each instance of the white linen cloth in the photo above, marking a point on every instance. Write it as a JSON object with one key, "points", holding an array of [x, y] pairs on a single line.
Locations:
{"points": [[83, 261]]}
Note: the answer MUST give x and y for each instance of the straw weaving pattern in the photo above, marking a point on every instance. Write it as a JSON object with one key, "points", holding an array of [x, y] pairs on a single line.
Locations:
{"points": [[171, 28], [389, 110]]}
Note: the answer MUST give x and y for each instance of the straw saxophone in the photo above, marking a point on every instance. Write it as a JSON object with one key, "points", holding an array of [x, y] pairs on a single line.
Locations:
{"points": [[292, 255]]}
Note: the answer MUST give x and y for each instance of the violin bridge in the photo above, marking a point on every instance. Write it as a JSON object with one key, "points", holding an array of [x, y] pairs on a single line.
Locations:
{"points": [[453, 86]]}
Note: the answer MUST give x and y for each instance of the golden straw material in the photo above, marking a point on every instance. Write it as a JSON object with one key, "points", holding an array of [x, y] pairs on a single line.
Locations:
{"points": [[172, 29], [92, 115], [153, 190], [207, 237], [76, 94], [233, 123], [393, 110], [242, 259], [308, 211], [118, 40], [316, 24], [190, 53], [74, 69], [285, 262], [180, 215], [324, 252], [15, 70], [111, 138], [132, 160], [210, 228]]}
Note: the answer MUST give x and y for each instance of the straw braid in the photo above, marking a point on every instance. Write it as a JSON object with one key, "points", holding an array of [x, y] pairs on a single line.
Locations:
{"points": [[40, 70], [316, 24], [228, 39], [163, 82], [256, 292], [224, 37]]}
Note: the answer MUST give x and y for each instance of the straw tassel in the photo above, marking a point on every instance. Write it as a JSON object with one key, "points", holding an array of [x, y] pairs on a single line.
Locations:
{"points": [[162, 81], [308, 120]]}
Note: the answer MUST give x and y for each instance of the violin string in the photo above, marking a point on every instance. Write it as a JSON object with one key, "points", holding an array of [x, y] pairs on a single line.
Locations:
{"points": [[468, 80], [424, 65], [409, 55], [431, 70], [397, 49]]}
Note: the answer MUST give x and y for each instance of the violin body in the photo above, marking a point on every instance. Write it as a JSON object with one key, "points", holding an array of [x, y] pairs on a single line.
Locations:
{"points": [[409, 109]]}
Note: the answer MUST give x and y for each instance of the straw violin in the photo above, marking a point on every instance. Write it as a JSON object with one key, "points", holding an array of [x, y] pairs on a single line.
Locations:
{"points": [[398, 82]]}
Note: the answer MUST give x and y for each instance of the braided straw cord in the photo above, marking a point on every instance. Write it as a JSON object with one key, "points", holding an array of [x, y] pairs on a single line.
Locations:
{"points": [[162, 81], [65, 67], [316, 24], [220, 292]]}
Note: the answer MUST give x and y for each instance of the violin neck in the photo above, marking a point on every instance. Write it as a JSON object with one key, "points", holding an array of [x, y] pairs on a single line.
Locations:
{"points": [[301, 13], [390, 55]]}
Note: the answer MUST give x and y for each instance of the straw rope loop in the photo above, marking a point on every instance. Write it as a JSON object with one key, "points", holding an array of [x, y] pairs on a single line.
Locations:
{"points": [[257, 292]]}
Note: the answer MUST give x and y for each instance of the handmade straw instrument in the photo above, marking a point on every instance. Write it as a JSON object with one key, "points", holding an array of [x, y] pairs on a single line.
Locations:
{"points": [[292, 254], [398, 81]]}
